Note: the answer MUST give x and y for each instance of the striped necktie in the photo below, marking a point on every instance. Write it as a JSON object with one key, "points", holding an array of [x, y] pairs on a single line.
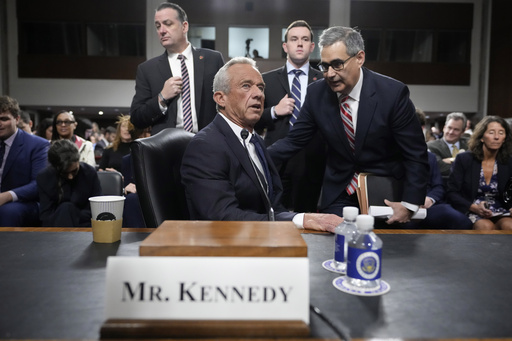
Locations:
{"points": [[296, 96], [346, 115], [185, 96], [261, 156]]}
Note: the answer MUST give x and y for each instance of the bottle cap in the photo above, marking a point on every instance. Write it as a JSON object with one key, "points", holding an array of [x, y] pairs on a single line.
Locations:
{"points": [[365, 222], [350, 212]]}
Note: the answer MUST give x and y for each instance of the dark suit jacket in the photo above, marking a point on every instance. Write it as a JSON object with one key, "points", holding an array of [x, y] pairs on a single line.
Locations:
{"points": [[435, 188], [151, 76], [276, 86], [442, 151], [464, 180], [78, 191], [388, 140], [219, 181], [27, 157]]}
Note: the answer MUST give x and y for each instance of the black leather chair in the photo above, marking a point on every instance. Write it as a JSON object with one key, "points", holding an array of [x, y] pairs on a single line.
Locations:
{"points": [[111, 183], [156, 169]]}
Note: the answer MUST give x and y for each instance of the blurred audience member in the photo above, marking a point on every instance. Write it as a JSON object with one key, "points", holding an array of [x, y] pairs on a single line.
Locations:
{"points": [[447, 148], [65, 187], [64, 125], [104, 141], [112, 157], [25, 123], [45, 128], [22, 157], [132, 214], [479, 177], [427, 133]]}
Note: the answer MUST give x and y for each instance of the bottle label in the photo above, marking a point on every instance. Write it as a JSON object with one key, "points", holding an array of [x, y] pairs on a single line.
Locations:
{"points": [[364, 264], [339, 248]]}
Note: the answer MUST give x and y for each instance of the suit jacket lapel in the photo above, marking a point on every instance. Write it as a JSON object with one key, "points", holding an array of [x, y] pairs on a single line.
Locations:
{"points": [[240, 152], [367, 107], [198, 76], [445, 150], [14, 151], [332, 106], [283, 80], [164, 70], [476, 167], [313, 75]]}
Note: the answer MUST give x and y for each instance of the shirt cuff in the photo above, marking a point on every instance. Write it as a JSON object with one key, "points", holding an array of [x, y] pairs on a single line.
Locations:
{"points": [[162, 108], [298, 220], [273, 113], [433, 200], [14, 196], [410, 207]]}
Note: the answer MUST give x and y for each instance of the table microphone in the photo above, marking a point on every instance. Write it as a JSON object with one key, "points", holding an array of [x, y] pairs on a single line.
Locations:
{"points": [[244, 134]]}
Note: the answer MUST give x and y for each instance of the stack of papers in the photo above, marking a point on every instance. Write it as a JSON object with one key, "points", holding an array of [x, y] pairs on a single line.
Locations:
{"points": [[386, 212]]}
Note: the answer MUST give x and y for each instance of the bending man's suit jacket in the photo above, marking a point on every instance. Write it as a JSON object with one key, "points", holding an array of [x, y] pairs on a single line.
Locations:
{"points": [[151, 76], [388, 140], [464, 180], [276, 86], [220, 182], [27, 157]]}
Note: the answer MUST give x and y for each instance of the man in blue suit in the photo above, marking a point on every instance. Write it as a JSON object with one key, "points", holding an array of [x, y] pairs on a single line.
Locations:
{"points": [[226, 171], [22, 157], [368, 122], [159, 86]]}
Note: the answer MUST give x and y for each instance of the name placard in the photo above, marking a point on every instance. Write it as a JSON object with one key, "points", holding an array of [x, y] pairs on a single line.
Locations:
{"points": [[208, 288]]}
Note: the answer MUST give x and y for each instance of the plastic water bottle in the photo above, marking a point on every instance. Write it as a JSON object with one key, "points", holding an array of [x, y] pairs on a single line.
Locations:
{"points": [[343, 233], [364, 255]]}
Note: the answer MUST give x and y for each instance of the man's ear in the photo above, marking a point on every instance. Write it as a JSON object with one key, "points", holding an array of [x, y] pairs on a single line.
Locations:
{"points": [[219, 98]]}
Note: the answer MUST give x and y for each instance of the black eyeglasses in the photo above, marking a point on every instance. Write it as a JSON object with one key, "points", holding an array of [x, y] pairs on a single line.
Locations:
{"points": [[337, 65], [66, 123]]}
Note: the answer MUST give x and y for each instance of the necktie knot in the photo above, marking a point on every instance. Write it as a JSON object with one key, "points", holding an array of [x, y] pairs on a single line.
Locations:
{"points": [[181, 57], [297, 72]]}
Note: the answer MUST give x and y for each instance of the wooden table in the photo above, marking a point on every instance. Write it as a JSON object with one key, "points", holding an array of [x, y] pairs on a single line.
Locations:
{"points": [[444, 284]]}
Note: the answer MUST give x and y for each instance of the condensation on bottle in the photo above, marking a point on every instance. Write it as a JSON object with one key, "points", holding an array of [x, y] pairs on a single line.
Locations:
{"points": [[343, 233], [364, 261]]}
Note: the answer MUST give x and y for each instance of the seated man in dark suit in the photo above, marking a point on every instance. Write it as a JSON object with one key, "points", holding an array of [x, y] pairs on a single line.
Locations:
{"points": [[22, 157], [226, 177]]}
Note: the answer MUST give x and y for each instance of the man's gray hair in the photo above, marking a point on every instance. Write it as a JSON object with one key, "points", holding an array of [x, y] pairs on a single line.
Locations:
{"points": [[221, 80], [457, 116], [349, 36]]}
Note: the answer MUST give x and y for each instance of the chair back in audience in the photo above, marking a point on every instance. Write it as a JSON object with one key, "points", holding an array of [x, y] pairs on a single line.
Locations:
{"points": [[111, 183], [156, 169]]}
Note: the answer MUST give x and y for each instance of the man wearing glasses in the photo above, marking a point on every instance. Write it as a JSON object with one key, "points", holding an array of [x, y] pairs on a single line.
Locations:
{"points": [[22, 157], [368, 122]]}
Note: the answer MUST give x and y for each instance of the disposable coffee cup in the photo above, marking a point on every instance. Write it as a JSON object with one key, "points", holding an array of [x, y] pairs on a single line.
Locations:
{"points": [[107, 218]]}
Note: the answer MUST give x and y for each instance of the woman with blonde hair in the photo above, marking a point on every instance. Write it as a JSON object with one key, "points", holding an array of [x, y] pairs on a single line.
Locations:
{"points": [[112, 158]]}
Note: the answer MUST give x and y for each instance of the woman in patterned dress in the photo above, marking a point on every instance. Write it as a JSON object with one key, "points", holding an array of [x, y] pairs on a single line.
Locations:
{"points": [[479, 176]]}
